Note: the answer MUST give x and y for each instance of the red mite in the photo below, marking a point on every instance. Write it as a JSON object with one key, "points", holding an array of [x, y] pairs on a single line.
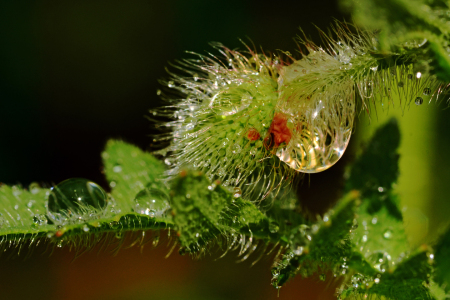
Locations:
{"points": [[253, 134], [278, 132]]}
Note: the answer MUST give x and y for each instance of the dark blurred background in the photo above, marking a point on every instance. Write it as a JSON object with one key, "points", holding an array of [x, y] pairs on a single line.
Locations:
{"points": [[74, 74]]}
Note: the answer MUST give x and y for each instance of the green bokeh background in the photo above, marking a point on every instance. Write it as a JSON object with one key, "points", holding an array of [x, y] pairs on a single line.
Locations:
{"points": [[74, 74]]}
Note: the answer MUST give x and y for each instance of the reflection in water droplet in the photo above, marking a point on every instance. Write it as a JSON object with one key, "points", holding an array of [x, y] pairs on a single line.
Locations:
{"points": [[419, 101], [152, 202], [273, 227], [237, 192], [426, 91], [311, 129], [74, 200]]}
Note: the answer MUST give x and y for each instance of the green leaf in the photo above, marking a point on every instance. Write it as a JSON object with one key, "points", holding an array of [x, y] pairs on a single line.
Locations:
{"points": [[204, 211], [23, 211], [376, 171], [329, 246], [406, 26], [129, 170]]}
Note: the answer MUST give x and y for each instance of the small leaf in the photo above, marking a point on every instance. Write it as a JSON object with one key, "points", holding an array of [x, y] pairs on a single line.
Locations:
{"points": [[129, 170]]}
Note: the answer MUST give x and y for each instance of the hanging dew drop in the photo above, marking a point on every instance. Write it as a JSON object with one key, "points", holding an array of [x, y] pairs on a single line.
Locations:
{"points": [[75, 198], [419, 101], [426, 91], [152, 202], [310, 132]]}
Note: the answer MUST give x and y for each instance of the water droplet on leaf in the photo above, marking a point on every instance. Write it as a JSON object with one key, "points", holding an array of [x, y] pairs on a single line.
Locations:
{"points": [[419, 101], [152, 202], [73, 198], [39, 219], [426, 91]]}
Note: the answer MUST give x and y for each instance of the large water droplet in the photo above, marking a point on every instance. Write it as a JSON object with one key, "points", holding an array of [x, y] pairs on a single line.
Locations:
{"points": [[419, 101], [152, 202], [313, 152], [311, 130], [73, 198]]}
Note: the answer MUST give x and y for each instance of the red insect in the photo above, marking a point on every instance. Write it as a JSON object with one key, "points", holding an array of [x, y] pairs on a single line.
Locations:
{"points": [[278, 132], [253, 134]]}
